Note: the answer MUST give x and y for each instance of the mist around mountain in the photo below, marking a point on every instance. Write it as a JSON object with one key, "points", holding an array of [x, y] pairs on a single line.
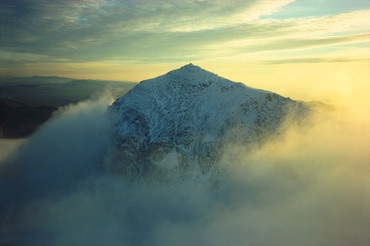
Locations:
{"points": [[185, 120], [307, 187], [28, 102]]}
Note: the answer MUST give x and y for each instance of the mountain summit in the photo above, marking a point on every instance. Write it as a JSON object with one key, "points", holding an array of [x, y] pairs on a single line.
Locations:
{"points": [[192, 73], [185, 120]]}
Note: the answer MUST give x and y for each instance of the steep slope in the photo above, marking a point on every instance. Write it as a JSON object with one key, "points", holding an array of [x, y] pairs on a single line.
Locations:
{"points": [[185, 119]]}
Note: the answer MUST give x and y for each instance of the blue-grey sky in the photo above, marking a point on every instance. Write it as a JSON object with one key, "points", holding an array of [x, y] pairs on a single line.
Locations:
{"points": [[139, 39]]}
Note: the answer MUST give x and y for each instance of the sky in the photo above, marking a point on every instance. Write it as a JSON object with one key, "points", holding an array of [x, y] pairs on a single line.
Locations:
{"points": [[311, 188], [309, 50]]}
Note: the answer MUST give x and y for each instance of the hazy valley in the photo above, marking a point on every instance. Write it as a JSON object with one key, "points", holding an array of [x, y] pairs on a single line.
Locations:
{"points": [[28, 102]]}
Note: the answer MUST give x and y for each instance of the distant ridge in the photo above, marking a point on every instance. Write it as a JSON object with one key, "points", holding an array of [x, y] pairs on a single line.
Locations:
{"points": [[28, 102]]}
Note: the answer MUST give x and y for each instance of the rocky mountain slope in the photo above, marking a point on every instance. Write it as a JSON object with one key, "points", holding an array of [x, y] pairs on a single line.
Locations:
{"points": [[185, 120]]}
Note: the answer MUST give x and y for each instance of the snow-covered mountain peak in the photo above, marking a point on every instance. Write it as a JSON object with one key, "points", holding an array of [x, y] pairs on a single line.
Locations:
{"points": [[184, 120], [192, 74], [190, 69]]}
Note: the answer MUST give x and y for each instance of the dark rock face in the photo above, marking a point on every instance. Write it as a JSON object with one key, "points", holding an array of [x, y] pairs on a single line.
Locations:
{"points": [[185, 119]]}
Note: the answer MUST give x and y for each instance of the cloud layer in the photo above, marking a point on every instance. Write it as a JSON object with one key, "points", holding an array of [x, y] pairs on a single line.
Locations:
{"points": [[164, 31], [311, 188]]}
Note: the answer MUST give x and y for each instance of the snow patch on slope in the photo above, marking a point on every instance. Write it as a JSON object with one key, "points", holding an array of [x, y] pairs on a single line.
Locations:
{"points": [[189, 116]]}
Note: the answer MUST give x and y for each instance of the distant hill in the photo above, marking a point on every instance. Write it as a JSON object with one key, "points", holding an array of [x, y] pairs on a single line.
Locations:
{"points": [[27, 102]]}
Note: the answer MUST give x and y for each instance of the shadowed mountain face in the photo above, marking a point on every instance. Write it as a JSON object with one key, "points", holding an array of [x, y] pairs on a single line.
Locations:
{"points": [[26, 103], [184, 120]]}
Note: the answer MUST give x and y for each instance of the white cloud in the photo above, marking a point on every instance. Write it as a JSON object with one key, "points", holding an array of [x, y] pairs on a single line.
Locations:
{"points": [[8, 146], [61, 28], [161, 31], [293, 34], [351, 22], [311, 188]]}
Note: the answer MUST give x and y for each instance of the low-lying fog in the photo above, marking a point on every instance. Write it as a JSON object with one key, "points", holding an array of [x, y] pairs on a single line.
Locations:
{"points": [[312, 188]]}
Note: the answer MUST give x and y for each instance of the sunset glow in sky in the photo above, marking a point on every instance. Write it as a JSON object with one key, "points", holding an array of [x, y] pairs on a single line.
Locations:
{"points": [[311, 50], [259, 171]]}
